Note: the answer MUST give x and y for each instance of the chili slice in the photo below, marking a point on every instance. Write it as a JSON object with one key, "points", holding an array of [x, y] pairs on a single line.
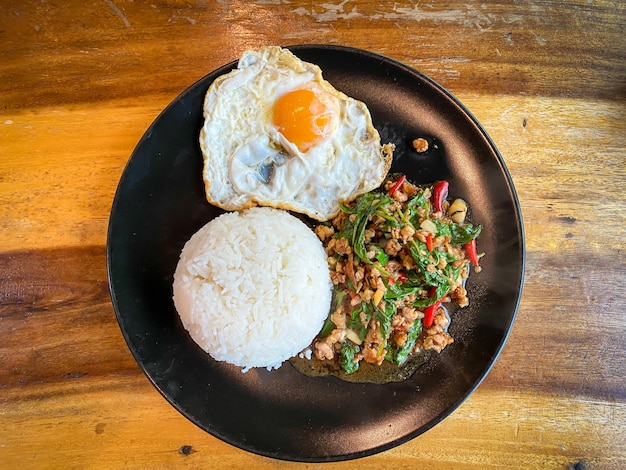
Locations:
{"points": [[470, 248], [429, 242], [440, 193], [429, 312], [397, 185]]}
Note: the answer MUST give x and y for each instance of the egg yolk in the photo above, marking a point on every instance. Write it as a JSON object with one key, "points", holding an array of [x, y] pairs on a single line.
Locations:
{"points": [[302, 118]]}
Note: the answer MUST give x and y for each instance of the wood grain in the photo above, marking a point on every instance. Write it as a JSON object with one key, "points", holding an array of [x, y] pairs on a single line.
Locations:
{"points": [[81, 81], [542, 48]]}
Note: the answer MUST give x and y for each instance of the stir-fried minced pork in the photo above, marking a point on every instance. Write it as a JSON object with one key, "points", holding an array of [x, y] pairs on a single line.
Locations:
{"points": [[396, 256]]}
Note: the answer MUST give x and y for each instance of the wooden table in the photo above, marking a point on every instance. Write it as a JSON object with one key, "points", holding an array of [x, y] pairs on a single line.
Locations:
{"points": [[81, 81]]}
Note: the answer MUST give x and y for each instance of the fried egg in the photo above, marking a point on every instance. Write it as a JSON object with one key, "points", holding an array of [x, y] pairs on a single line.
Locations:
{"points": [[277, 134]]}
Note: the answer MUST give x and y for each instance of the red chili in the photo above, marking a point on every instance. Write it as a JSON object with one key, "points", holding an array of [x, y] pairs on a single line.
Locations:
{"points": [[397, 185], [429, 312], [440, 193], [470, 248], [429, 242], [401, 278]]}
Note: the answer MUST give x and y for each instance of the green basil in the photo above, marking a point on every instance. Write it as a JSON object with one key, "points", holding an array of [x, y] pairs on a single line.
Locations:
{"points": [[400, 355], [348, 351], [329, 326], [462, 234]]}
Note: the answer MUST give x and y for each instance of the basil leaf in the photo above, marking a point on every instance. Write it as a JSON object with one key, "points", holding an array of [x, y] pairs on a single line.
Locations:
{"points": [[358, 241], [462, 234], [390, 219], [355, 322], [329, 326], [443, 229], [418, 201], [384, 317], [400, 290], [354, 228], [348, 209], [423, 303], [382, 257], [348, 351], [401, 354], [421, 260]]}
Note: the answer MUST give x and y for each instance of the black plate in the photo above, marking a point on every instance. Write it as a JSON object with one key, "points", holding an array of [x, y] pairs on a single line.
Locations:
{"points": [[160, 203]]}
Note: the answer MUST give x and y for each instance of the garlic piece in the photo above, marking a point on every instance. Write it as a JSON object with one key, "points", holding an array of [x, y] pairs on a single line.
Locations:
{"points": [[353, 336], [457, 211], [429, 226]]}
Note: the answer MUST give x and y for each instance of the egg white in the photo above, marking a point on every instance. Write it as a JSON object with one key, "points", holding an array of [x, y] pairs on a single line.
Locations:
{"points": [[247, 160]]}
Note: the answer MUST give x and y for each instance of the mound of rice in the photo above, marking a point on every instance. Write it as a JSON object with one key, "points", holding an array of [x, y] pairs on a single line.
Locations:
{"points": [[253, 287]]}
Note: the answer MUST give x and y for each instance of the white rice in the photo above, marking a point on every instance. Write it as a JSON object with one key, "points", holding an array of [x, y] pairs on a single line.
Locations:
{"points": [[253, 287]]}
